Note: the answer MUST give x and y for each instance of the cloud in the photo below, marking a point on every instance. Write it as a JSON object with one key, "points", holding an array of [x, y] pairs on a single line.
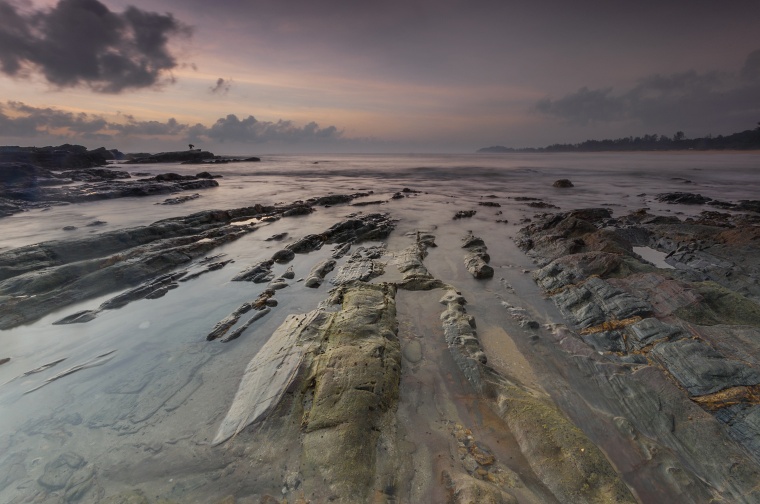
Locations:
{"points": [[221, 87], [251, 130], [683, 99], [19, 120], [149, 128], [81, 42]]}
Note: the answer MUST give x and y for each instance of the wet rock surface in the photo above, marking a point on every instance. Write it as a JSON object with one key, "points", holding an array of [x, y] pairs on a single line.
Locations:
{"points": [[477, 258], [675, 325], [37, 279], [26, 186], [403, 377]]}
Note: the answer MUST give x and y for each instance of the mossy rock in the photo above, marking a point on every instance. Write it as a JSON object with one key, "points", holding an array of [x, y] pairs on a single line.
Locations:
{"points": [[720, 306], [563, 457]]}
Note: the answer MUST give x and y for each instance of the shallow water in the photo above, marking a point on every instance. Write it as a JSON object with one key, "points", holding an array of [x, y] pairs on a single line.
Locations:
{"points": [[151, 392]]}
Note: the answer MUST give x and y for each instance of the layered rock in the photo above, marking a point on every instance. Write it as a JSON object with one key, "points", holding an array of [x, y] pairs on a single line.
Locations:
{"points": [[669, 325], [344, 367], [477, 258]]}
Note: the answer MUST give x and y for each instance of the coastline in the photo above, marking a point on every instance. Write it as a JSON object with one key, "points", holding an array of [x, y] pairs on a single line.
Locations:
{"points": [[444, 330]]}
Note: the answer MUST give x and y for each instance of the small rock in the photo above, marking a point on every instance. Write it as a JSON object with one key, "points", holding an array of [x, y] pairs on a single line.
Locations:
{"points": [[283, 256], [413, 351], [563, 183], [462, 214]]}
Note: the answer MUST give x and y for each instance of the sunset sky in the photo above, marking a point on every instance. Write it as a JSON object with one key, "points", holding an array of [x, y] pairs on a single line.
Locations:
{"points": [[280, 76]]}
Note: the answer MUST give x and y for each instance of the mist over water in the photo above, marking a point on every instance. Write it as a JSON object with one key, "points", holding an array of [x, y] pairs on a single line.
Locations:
{"points": [[148, 376]]}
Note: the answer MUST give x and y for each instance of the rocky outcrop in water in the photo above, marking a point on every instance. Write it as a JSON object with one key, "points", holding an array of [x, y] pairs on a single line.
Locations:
{"points": [[24, 186], [192, 156], [62, 157]]}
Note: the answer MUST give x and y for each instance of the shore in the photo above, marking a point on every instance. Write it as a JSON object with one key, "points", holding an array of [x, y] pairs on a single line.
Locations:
{"points": [[415, 336]]}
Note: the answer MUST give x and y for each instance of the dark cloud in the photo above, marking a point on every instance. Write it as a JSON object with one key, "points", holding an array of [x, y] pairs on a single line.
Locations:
{"points": [[710, 99], [251, 130], [149, 128], [221, 87], [21, 120], [81, 42]]}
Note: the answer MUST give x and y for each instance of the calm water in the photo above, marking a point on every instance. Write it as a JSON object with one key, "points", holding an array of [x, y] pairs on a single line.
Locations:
{"points": [[152, 391]]}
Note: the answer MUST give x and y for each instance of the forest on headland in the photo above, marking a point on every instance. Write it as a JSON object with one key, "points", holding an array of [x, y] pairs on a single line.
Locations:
{"points": [[744, 140]]}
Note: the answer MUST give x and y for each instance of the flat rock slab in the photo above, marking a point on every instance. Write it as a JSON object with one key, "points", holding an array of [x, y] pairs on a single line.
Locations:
{"points": [[649, 331], [268, 374], [702, 370]]}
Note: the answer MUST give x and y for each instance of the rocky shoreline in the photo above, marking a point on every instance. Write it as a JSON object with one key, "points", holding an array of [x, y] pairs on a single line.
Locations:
{"points": [[387, 390], [689, 332], [25, 186]]}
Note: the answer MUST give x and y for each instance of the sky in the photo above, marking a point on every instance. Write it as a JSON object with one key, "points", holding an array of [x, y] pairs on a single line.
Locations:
{"points": [[301, 76]]}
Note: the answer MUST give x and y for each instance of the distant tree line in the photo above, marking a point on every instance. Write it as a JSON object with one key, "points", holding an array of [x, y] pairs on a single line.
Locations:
{"points": [[745, 140]]}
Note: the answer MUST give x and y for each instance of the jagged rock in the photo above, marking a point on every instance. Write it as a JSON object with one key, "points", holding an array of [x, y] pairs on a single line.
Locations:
{"points": [[308, 243], [59, 273], [367, 227], [596, 301], [239, 331], [179, 199], [410, 263], [341, 250], [258, 273], [335, 199], [209, 268], [95, 175], [298, 210], [684, 309], [318, 272], [476, 261], [224, 325], [78, 317], [361, 266], [283, 256], [683, 198], [194, 156], [148, 290], [464, 214], [277, 237]]}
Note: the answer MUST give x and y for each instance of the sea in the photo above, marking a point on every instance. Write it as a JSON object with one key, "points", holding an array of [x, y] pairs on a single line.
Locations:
{"points": [[136, 395]]}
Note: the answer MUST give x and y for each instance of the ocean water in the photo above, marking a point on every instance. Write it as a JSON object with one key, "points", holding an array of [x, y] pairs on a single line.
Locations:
{"points": [[138, 393]]}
